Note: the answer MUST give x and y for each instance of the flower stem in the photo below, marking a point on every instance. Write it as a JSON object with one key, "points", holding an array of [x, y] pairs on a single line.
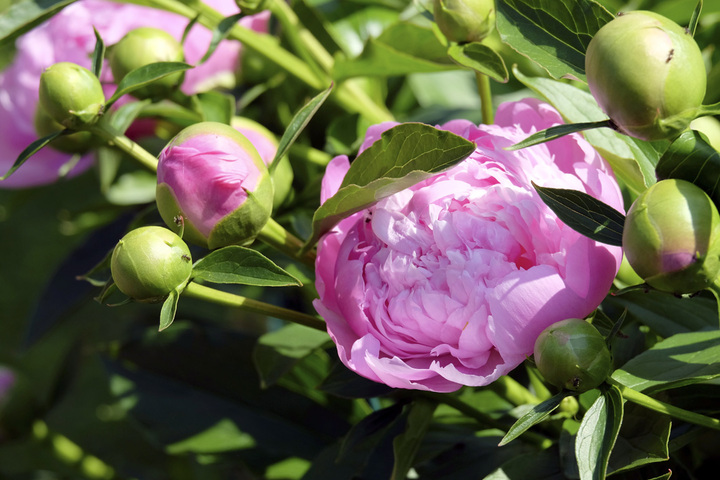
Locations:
{"points": [[680, 413], [115, 139], [302, 40], [310, 154], [512, 391], [483, 418], [277, 237], [483, 82], [201, 292]]}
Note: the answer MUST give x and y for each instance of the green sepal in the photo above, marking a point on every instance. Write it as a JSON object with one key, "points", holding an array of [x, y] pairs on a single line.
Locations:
{"points": [[169, 308], [243, 225]]}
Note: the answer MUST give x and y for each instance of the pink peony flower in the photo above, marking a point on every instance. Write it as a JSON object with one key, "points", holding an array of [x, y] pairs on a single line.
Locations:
{"points": [[213, 176], [68, 36], [449, 282]]}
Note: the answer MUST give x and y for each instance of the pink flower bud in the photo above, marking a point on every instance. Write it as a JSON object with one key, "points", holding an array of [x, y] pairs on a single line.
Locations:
{"points": [[266, 144], [212, 176]]}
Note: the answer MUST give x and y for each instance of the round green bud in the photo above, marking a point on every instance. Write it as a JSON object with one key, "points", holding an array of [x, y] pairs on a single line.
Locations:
{"points": [[150, 262], [647, 74], [569, 407], [78, 142], [71, 95], [464, 21], [572, 354], [671, 237], [143, 46]]}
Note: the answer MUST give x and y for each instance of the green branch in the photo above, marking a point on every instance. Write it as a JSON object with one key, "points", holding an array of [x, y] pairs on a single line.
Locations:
{"points": [[201, 292]]}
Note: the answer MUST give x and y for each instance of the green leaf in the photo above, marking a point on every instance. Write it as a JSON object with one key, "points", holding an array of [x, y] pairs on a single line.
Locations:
{"points": [[405, 155], [643, 439], [32, 149], [188, 28], [277, 352], [217, 106], [298, 124], [407, 444], [98, 54], [692, 26], [169, 307], [25, 15], [558, 131], [633, 161], [555, 35], [244, 266], [683, 359], [224, 436], [666, 314], [691, 158], [144, 75], [132, 188], [401, 49], [219, 34], [597, 433], [584, 214], [541, 465], [665, 476], [366, 434], [124, 116], [537, 414], [480, 58]]}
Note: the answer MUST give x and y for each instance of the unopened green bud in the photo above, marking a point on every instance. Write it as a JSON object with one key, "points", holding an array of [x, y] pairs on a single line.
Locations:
{"points": [[464, 20], [78, 142], [150, 262], [71, 95], [572, 354], [143, 46], [672, 237], [647, 74]]}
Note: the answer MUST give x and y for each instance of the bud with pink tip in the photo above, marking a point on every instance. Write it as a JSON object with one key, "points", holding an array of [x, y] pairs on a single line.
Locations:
{"points": [[212, 177]]}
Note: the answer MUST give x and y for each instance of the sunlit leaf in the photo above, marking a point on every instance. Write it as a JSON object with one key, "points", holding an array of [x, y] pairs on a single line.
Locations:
{"points": [[537, 414], [682, 359], [480, 58], [597, 434], [145, 75], [240, 265], [25, 15], [691, 158], [298, 124], [554, 34]]}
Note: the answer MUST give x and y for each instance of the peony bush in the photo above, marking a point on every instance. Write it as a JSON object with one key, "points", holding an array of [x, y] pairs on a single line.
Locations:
{"points": [[405, 240], [449, 282]]}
